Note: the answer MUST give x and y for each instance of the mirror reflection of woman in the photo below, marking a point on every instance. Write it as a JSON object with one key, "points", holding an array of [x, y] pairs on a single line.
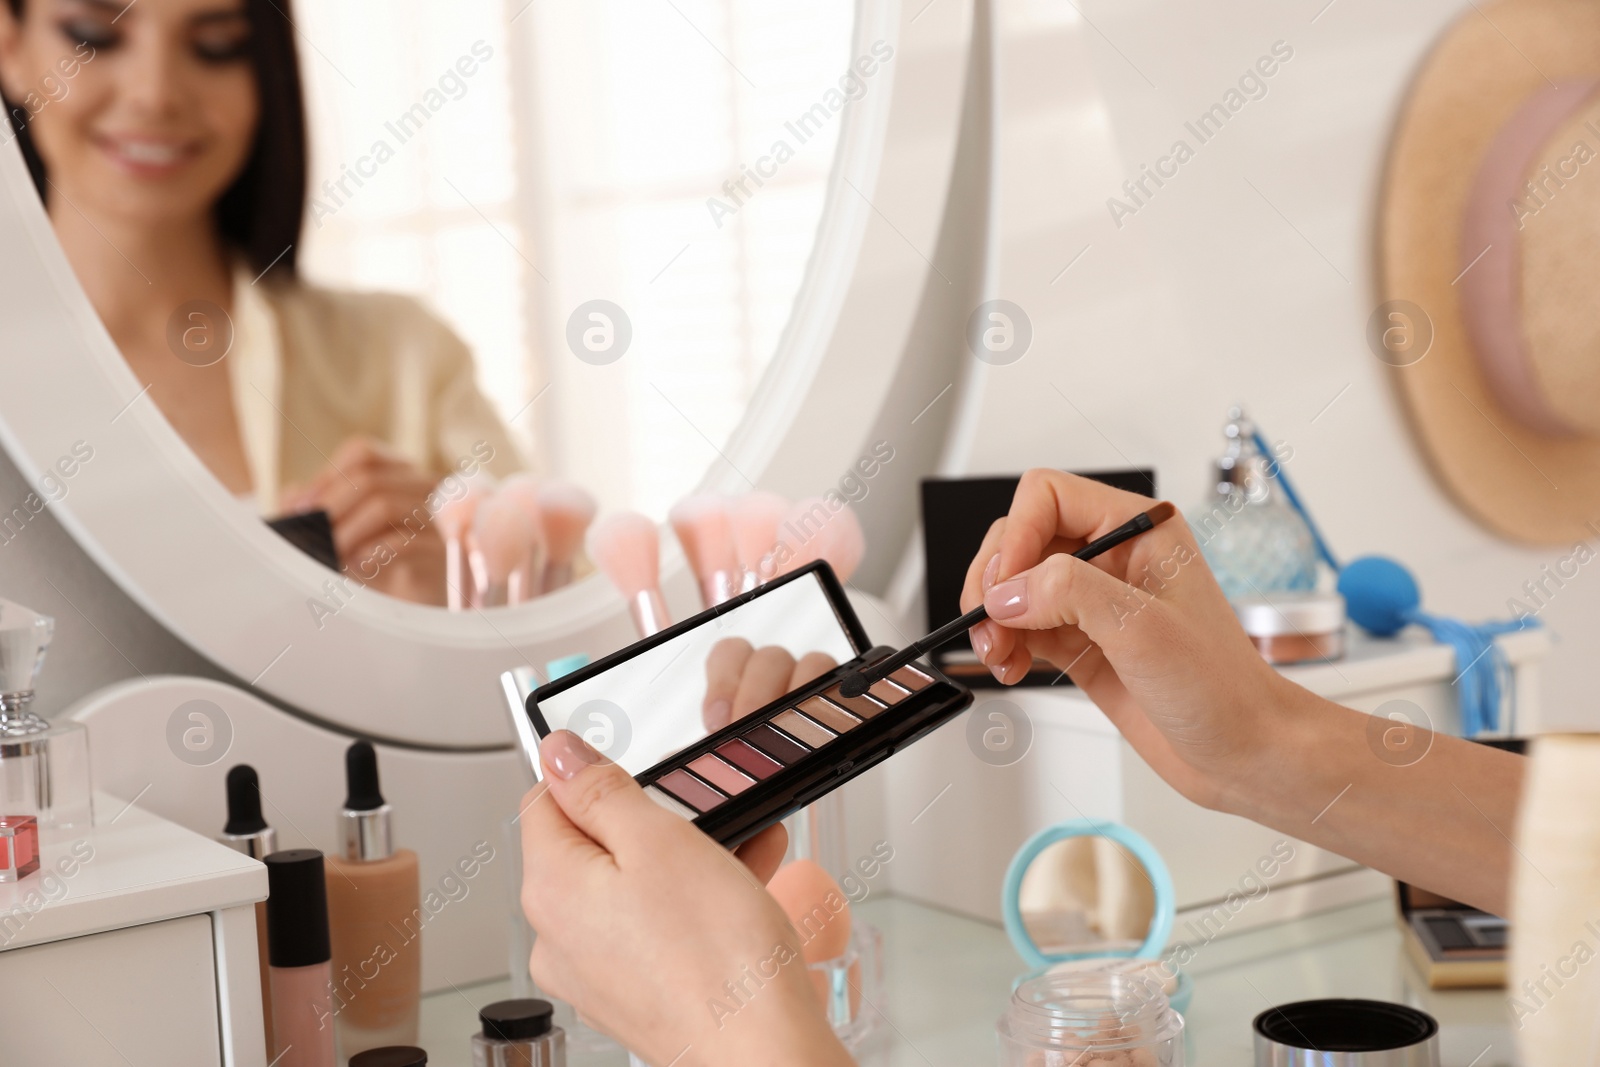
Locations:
{"points": [[167, 139]]}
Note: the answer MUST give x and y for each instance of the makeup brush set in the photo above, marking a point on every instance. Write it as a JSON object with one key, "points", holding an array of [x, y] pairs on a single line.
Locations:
{"points": [[508, 543]]}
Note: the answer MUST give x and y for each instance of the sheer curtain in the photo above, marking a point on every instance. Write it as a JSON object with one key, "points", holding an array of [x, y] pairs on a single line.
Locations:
{"points": [[509, 161]]}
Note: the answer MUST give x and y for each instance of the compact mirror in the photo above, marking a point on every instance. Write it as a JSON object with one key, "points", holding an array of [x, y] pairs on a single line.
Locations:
{"points": [[1086, 896], [648, 703]]}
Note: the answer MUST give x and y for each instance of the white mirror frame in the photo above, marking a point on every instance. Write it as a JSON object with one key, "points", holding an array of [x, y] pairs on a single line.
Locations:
{"points": [[147, 512]]}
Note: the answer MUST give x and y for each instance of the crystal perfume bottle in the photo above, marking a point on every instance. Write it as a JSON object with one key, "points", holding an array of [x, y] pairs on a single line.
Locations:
{"points": [[1253, 540], [44, 766]]}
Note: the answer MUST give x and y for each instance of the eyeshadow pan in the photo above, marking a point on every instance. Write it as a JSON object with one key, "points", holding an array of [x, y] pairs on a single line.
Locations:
{"points": [[888, 692], [830, 715], [691, 790], [721, 775], [911, 678], [863, 706], [776, 745], [667, 802], [754, 763], [797, 725]]}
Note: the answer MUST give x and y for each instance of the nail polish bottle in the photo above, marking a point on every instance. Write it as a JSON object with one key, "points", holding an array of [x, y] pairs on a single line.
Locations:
{"points": [[519, 1033], [297, 952], [374, 901], [247, 832]]}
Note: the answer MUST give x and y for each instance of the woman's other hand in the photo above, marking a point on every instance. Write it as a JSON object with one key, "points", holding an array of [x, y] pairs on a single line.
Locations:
{"points": [[377, 503], [655, 932], [1144, 629]]}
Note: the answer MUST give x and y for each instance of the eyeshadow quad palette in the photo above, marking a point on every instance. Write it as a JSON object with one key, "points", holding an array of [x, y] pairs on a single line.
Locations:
{"points": [[734, 718]]}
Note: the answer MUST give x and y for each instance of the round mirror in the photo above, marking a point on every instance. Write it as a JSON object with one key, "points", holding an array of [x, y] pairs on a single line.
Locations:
{"points": [[1086, 896], [308, 265]]}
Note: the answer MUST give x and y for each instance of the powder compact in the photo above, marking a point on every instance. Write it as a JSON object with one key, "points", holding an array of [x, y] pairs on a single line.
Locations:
{"points": [[734, 718]]}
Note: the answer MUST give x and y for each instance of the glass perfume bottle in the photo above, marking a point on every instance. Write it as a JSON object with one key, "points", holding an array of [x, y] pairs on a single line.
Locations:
{"points": [[1254, 541], [44, 766]]}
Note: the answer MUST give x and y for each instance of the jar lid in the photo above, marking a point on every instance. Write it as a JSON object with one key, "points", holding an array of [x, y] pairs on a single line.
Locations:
{"points": [[516, 1020], [393, 1056], [1285, 614]]}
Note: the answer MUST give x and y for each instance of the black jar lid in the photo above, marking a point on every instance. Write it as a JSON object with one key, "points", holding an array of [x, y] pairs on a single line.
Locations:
{"points": [[393, 1056], [516, 1020], [297, 908]]}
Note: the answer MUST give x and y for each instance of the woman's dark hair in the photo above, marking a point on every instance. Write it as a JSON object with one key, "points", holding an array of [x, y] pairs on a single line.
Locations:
{"points": [[260, 214]]}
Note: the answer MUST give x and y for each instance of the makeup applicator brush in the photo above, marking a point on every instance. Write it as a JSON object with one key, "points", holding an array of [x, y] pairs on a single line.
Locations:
{"points": [[455, 525], [505, 537], [857, 682], [706, 534], [565, 512], [755, 518], [627, 548], [522, 490]]}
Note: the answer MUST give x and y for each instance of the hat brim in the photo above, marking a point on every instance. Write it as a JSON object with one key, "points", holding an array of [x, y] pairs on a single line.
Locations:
{"points": [[1517, 481]]}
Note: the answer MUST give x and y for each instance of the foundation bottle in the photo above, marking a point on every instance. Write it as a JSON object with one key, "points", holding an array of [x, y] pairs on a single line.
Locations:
{"points": [[297, 951], [376, 919]]}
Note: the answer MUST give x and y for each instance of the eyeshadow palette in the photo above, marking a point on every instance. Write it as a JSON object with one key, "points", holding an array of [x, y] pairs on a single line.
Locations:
{"points": [[710, 742]]}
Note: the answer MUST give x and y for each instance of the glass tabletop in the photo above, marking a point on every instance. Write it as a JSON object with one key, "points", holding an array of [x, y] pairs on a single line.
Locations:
{"points": [[947, 978]]}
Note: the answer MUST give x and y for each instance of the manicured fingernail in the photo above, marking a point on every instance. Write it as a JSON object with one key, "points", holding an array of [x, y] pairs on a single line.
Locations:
{"points": [[565, 753], [999, 672], [1008, 599], [981, 641], [991, 571]]}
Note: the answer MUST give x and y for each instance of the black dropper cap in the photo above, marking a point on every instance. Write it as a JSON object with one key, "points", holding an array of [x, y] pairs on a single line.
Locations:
{"points": [[394, 1056], [297, 908], [244, 802], [361, 778], [516, 1020]]}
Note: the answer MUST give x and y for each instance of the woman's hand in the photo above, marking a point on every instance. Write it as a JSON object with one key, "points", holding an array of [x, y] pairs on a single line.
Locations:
{"points": [[1144, 629], [377, 502], [741, 678], [656, 933]]}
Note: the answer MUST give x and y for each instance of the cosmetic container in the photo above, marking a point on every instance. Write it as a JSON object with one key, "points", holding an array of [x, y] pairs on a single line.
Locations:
{"points": [[391, 1056], [375, 907], [1101, 1017], [247, 832], [1292, 628], [851, 983], [19, 847], [1346, 1033], [44, 766], [519, 1033], [298, 954]]}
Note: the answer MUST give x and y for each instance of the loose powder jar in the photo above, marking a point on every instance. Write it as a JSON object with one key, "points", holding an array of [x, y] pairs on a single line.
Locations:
{"points": [[1294, 627]]}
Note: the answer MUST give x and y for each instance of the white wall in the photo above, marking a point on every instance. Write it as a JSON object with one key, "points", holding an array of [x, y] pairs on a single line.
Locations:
{"points": [[1246, 278]]}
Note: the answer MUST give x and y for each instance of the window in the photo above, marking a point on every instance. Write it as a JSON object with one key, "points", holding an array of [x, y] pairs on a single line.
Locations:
{"points": [[622, 150]]}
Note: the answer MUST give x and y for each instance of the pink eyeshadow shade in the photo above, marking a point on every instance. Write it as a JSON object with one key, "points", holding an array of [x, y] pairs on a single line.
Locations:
{"points": [[756, 764], [691, 790], [888, 692], [721, 775]]}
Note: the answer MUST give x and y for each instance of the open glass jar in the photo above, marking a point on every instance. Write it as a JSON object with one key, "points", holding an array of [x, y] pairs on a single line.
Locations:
{"points": [[1105, 1018]]}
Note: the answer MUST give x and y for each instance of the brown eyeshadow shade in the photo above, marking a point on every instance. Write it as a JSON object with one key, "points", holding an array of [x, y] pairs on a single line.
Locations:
{"points": [[797, 725], [888, 692], [721, 775], [691, 790], [911, 678], [741, 755], [830, 715], [776, 745], [863, 706]]}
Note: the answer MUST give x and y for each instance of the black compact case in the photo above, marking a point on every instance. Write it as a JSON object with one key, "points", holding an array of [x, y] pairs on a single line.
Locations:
{"points": [[742, 776]]}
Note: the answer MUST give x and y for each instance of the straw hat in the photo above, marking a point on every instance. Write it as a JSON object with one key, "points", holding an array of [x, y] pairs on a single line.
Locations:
{"points": [[1489, 264]]}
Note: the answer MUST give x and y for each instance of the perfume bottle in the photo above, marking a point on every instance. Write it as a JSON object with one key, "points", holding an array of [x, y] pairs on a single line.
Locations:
{"points": [[1253, 540], [44, 766]]}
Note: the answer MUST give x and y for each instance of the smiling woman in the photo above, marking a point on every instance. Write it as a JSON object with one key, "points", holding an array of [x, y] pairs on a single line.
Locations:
{"points": [[167, 139]]}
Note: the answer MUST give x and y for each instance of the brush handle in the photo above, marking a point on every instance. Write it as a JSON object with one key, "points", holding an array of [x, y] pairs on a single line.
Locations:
{"points": [[956, 627]]}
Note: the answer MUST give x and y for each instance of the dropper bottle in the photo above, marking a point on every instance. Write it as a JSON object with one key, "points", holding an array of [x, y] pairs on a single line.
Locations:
{"points": [[374, 908], [246, 831]]}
